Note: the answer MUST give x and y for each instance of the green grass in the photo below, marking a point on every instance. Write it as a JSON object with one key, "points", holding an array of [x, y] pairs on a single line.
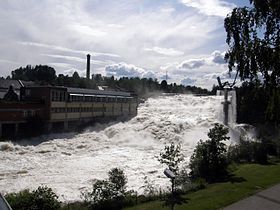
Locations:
{"points": [[248, 179]]}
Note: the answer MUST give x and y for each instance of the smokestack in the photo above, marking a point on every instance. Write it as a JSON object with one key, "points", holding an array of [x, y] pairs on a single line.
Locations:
{"points": [[88, 66]]}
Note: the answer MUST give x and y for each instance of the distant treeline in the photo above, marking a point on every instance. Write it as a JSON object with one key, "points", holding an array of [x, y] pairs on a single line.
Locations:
{"points": [[143, 87]]}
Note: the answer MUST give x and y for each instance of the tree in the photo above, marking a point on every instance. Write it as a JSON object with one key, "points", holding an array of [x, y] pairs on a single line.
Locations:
{"points": [[118, 182], [209, 159], [171, 156], [38, 73], [45, 199], [253, 36], [45, 73], [163, 85], [110, 193]]}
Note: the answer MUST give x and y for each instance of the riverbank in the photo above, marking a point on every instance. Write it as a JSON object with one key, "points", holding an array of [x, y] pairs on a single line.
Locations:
{"points": [[247, 180]]}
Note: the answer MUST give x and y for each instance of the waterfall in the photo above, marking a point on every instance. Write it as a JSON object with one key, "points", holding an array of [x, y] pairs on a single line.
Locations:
{"points": [[69, 162]]}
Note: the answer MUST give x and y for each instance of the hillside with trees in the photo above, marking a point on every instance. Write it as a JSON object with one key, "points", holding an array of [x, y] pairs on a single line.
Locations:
{"points": [[143, 87]]}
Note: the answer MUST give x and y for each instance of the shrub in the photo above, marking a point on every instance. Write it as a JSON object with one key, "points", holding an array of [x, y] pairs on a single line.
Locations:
{"points": [[45, 199], [248, 151], [42, 198], [209, 160], [118, 181], [21, 200], [148, 188], [108, 194]]}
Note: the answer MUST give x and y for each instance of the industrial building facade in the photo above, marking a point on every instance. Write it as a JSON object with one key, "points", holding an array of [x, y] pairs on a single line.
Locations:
{"points": [[63, 108]]}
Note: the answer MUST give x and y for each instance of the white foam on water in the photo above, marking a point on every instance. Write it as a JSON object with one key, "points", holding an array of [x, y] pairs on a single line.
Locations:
{"points": [[69, 163]]}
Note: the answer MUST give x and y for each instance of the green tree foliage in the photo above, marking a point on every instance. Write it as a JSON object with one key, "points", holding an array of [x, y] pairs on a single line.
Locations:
{"points": [[38, 73], [118, 182], [143, 87], [163, 85], [252, 102], [22, 200], [209, 159], [171, 157], [42, 198], [258, 104], [110, 193], [248, 151], [253, 35]]}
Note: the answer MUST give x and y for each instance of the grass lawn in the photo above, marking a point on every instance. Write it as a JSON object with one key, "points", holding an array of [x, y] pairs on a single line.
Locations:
{"points": [[248, 179]]}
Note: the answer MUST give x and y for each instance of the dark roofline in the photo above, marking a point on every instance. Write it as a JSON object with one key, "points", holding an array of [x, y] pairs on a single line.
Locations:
{"points": [[96, 92], [47, 86], [6, 83], [84, 90]]}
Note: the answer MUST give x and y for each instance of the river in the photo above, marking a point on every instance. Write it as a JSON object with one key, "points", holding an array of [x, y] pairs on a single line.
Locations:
{"points": [[70, 162]]}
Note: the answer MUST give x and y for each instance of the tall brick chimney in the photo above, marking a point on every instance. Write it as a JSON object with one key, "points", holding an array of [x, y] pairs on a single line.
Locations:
{"points": [[88, 66]]}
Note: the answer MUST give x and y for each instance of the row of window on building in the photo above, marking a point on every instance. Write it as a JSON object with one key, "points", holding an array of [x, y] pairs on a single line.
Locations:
{"points": [[98, 99], [29, 113], [63, 96], [58, 95], [77, 109]]}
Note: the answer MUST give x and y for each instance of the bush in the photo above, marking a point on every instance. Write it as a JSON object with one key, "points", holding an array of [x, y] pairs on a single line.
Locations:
{"points": [[187, 185], [248, 152], [41, 199], [148, 188], [21, 200], [108, 194], [209, 160]]}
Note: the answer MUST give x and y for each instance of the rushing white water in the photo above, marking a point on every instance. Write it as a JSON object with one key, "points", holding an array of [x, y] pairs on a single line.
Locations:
{"points": [[70, 162]]}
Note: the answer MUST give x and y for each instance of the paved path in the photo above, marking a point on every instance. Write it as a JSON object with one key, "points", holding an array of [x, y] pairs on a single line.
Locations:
{"points": [[3, 204], [265, 200]]}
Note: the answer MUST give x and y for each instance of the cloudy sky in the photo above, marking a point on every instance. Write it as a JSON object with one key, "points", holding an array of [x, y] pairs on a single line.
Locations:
{"points": [[142, 38]]}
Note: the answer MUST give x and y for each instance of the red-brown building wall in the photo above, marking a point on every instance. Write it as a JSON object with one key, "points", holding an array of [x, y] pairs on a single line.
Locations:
{"points": [[20, 111]]}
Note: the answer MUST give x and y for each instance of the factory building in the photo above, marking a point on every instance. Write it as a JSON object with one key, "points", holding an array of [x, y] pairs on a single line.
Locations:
{"points": [[56, 108], [63, 108]]}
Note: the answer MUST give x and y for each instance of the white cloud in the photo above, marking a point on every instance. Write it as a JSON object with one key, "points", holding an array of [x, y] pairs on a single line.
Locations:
{"points": [[201, 71], [8, 61], [210, 7], [154, 37], [188, 81], [167, 9], [87, 30], [192, 63], [127, 70], [216, 58], [66, 57], [165, 51], [115, 25], [60, 65], [65, 49]]}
